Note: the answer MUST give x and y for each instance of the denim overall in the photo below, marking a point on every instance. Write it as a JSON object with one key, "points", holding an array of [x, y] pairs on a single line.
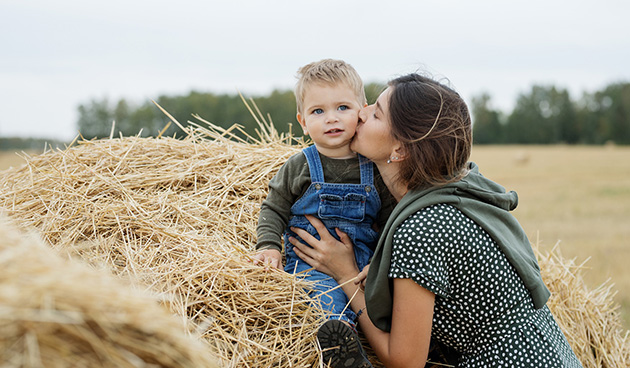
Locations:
{"points": [[352, 208]]}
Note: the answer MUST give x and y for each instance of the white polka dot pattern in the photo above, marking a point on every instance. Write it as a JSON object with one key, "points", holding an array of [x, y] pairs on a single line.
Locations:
{"points": [[482, 307]]}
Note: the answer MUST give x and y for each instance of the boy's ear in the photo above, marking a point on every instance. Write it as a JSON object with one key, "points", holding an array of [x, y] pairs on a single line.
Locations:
{"points": [[302, 122]]}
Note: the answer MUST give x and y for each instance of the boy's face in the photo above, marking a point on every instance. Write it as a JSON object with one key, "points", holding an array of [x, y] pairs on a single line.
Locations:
{"points": [[330, 117]]}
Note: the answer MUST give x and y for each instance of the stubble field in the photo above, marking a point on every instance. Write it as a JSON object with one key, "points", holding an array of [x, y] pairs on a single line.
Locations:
{"points": [[578, 197]]}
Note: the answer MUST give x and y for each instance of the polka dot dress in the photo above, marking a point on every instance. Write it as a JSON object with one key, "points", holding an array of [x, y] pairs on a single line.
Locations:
{"points": [[482, 308]]}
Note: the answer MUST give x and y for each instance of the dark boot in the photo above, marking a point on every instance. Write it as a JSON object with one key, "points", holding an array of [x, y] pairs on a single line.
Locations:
{"points": [[340, 346]]}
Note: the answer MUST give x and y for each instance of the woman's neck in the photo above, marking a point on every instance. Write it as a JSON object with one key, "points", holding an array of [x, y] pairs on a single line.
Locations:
{"points": [[390, 174]]}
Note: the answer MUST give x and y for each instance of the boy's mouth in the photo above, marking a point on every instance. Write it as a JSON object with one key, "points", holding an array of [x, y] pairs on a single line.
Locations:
{"points": [[334, 131]]}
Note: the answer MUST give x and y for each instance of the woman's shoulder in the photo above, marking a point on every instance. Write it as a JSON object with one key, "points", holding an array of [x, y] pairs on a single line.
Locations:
{"points": [[445, 230], [433, 228], [429, 226], [438, 215]]}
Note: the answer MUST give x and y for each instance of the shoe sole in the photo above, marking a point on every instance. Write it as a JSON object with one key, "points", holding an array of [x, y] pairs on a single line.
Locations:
{"points": [[340, 346]]}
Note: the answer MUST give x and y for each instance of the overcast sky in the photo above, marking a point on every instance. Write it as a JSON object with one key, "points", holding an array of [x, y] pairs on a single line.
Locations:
{"points": [[56, 55]]}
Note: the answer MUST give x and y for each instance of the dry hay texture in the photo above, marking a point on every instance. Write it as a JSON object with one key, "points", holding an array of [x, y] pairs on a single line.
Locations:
{"points": [[59, 313], [179, 216], [589, 317]]}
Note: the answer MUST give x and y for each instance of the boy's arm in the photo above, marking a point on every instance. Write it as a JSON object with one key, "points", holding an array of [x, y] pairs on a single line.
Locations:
{"points": [[272, 221], [285, 188]]}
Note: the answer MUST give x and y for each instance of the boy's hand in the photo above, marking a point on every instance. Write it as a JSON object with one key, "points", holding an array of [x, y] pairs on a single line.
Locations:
{"points": [[272, 257]]}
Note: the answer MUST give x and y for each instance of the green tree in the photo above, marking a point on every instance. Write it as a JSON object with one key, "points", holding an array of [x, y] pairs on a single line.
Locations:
{"points": [[148, 119], [373, 90], [605, 115], [564, 116], [588, 118], [545, 115], [487, 127], [122, 117], [280, 106], [95, 118], [616, 112]]}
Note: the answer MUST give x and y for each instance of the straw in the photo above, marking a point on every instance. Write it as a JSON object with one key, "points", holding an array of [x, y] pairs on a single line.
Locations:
{"points": [[56, 312], [590, 319], [179, 216]]}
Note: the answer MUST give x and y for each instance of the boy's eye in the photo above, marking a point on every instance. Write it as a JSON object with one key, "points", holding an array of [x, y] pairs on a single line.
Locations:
{"points": [[318, 111], [343, 108]]}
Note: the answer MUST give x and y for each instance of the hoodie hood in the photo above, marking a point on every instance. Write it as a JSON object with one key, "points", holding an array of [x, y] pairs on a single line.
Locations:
{"points": [[475, 185], [483, 201]]}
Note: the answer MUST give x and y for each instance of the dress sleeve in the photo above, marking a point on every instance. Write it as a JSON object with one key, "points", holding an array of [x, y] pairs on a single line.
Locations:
{"points": [[420, 252]]}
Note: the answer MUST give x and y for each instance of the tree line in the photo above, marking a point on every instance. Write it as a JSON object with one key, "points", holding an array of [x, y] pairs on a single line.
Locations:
{"points": [[543, 115], [96, 116], [29, 144], [548, 115]]}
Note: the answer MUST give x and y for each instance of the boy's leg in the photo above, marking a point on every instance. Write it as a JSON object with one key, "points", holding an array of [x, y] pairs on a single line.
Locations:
{"points": [[331, 297], [340, 346]]}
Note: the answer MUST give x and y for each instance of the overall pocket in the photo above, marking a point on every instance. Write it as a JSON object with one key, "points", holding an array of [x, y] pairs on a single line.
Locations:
{"points": [[350, 207]]}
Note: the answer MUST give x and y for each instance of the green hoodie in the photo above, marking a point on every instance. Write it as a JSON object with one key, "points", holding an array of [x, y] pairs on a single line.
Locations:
{"points": [[482, 200]]}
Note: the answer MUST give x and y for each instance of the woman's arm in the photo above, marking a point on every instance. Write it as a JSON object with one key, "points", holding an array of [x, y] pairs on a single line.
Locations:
{"points": [[407, 344], [412, 318]]}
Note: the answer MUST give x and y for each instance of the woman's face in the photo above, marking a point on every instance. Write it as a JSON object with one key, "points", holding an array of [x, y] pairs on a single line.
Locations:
{"points": [[373, 135]]}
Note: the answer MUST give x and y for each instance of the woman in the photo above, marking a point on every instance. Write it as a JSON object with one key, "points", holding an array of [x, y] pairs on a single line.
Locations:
{"points": [[451, 263]]}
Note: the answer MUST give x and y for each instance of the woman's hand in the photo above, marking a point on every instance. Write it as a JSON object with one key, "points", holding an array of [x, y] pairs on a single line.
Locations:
{"points": [[362, 276], [328, 255]]}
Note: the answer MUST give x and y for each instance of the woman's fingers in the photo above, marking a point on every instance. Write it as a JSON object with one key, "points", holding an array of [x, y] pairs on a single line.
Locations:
{"points": [[299, 245], [344, 238], [299, 248], [362, 276], [308, 238], [320, 227], [328, 255]]}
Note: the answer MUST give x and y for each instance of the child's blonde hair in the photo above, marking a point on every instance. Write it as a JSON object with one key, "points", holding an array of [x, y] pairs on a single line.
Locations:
{"points": [[329, 72]]}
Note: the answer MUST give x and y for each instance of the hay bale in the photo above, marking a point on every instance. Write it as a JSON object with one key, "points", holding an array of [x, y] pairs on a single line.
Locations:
{"points": [[589, 318], [59, 313], [178, 216]]}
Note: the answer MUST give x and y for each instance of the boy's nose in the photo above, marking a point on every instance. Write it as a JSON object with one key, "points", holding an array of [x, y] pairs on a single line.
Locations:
{"points": [[332, 117]]}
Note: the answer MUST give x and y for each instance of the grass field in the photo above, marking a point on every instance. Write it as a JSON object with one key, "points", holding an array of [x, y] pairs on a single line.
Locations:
{"points": [[11, 159], [578, 196]]}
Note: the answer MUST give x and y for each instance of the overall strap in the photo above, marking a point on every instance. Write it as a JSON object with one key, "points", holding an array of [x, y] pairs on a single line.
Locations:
{"points": [[314, 164], [367, 171]]}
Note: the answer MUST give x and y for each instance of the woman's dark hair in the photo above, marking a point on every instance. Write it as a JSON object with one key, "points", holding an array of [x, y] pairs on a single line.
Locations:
{"points": [[433, 124]]}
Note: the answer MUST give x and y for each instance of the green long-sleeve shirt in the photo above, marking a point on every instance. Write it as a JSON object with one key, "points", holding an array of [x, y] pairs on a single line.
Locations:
{"points": [[292, 181]]}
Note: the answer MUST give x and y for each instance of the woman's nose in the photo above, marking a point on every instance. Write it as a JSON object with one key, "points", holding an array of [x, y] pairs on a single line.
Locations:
{"points": [[363, 114]]}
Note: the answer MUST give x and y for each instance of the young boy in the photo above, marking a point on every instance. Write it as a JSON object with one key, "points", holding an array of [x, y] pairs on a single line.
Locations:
{"points": [[326, 180]]}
